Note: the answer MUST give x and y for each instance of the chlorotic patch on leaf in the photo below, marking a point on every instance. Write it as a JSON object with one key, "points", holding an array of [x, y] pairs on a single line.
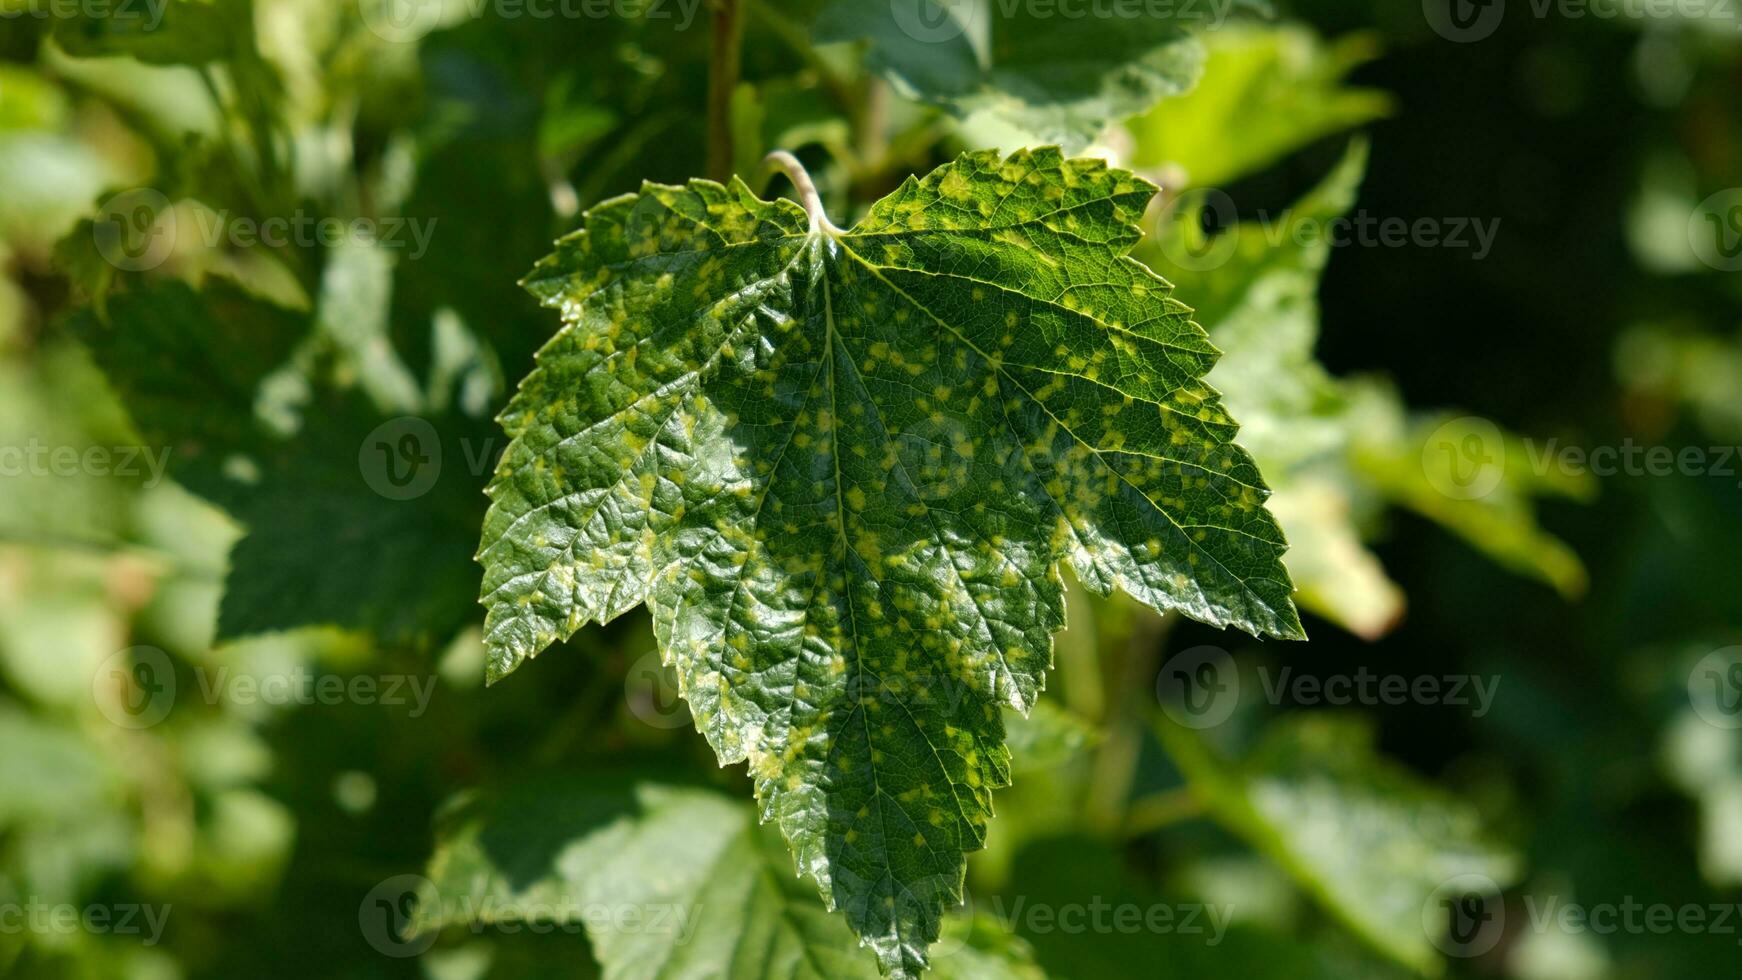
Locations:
{"points": [[842, 468]]}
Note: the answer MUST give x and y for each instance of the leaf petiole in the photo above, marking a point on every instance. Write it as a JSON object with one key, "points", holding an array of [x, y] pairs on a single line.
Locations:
{"points": [[806, 188]]}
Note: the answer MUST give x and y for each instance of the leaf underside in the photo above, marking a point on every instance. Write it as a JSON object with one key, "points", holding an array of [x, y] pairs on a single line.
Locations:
{"points": [[1060, 79], [842, 468]]}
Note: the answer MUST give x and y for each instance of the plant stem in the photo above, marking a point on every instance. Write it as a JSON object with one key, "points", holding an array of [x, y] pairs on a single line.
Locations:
{"points": [[806, 188], [723, 70], [1163, 809], [873, 141], [1116, 762]]}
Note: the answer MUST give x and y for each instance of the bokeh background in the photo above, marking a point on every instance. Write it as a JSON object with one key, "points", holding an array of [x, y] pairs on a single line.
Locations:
{"points": [[165, 749]]}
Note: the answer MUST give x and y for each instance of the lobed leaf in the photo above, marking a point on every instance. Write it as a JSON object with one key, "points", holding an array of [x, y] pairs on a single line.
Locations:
{"points": [[841, 468]]}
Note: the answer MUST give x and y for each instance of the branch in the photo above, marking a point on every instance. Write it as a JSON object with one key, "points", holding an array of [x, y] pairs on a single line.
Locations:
{"points": [[723, 72]]}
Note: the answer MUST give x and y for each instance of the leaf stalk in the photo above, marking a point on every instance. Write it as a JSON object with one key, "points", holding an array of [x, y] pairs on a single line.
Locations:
{"points": [[808, 197]]}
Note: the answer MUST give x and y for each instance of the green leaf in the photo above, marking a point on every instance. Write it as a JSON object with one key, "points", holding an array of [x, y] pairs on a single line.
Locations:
{"points": [[1278, 86], [48, 773], [1225, 936], [1047, 737], [1364, 837], [706, 892], [1486, 495], [1061, 78], [164, 32], [841, 468], [215, 380], [1255, 289]]}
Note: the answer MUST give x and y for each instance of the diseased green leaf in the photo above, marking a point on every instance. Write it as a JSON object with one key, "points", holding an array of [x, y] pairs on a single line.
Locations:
{"points": [[841, 468], [1061, 78], [1364, 837], [670, 883]]}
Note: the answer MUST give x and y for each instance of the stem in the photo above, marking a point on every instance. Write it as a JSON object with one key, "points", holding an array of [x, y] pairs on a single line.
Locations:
{"points": [[723, 70], [1115, 766], [1163, 809], [807, 190], [873, 141]]}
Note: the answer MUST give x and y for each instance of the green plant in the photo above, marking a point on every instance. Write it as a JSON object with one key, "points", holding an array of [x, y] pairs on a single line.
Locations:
{"points": [[841, 486]]}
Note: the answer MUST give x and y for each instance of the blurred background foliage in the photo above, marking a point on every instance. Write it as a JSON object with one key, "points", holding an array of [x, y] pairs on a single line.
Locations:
{"points": [[1592, 321]]}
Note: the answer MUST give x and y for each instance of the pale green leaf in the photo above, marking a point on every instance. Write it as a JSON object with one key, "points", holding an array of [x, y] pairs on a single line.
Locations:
{"points": [[1047, 736], [1060, 78], [1338, 450], [1255, 288], [1367, 839], [1278, 86], [162, 32], [668, 883], [332, 538], [842, 468]]}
